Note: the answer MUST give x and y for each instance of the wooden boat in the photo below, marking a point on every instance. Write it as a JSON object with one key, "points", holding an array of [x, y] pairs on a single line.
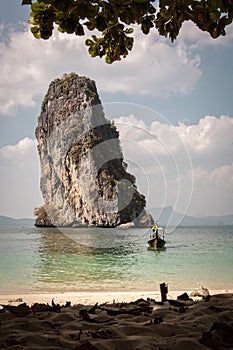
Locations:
{"points": [[156, 239]]}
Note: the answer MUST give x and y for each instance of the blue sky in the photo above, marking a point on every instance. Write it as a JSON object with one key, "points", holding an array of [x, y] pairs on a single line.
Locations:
{"points": [[180, 94]]}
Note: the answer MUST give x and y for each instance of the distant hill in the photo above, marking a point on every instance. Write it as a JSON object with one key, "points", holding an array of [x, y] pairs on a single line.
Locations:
{"points": [[168, 217], [7, 221]]}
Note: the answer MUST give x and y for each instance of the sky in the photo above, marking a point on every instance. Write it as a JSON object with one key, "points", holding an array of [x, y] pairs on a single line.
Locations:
{"points": [[172, 104]]}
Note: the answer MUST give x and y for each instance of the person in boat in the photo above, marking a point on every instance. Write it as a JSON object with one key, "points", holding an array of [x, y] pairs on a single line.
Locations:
{"points": [[155, 230]]}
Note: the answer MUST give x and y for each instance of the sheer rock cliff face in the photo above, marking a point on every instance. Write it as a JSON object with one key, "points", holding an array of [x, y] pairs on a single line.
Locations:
{"points": [[83, 176]]}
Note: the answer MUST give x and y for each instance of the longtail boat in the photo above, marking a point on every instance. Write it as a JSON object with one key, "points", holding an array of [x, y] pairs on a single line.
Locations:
{"points": [[156, 238]]}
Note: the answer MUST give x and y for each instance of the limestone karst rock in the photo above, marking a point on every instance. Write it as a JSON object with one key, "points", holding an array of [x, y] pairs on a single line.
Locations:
{"points": [[83, 176]]}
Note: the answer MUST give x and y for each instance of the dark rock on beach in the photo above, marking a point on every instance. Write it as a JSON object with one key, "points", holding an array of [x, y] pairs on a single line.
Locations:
{"points": [[142, 324]]}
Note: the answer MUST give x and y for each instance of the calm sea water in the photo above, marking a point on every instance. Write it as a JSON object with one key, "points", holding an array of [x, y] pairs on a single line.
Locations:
{"points": [[48, 260]]}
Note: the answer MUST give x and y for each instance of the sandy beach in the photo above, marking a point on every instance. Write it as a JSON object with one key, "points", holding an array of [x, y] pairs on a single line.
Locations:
{"points": [[90, 298], [119, 321]]}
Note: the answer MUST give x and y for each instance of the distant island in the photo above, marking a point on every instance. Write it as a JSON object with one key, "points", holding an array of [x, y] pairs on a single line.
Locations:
{"points": [[164, 214], [8, 221], [167, 216]]}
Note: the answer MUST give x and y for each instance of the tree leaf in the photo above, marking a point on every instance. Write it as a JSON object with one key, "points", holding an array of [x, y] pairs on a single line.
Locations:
{"points": [[89, 42], [36, 32], [129, 31], [215, 15], [114, 19], [79, 30]]}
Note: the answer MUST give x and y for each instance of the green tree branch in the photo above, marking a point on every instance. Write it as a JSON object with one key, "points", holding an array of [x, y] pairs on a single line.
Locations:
{"points": [[113, 18]]}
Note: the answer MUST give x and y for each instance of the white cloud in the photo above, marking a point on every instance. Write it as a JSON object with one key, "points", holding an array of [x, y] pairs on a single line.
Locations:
{"points": [[22, 154], [163, 151], [19, 179], [28, 65], [197, 38], [210, 140], [157, 155], [155, 66], [222, 177], [212, 191]]}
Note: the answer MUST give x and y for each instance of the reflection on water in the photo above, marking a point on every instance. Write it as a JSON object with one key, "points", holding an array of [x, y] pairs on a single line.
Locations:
{"points": [[55, 242], [107, 258], [156, 250], [88, 241]]}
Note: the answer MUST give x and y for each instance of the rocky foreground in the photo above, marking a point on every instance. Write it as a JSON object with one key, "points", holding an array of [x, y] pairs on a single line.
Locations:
{"points": [[179, 324]]}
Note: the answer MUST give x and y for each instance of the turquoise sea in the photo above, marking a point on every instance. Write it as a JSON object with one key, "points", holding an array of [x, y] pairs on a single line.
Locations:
{"points": [[49, 260]]}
